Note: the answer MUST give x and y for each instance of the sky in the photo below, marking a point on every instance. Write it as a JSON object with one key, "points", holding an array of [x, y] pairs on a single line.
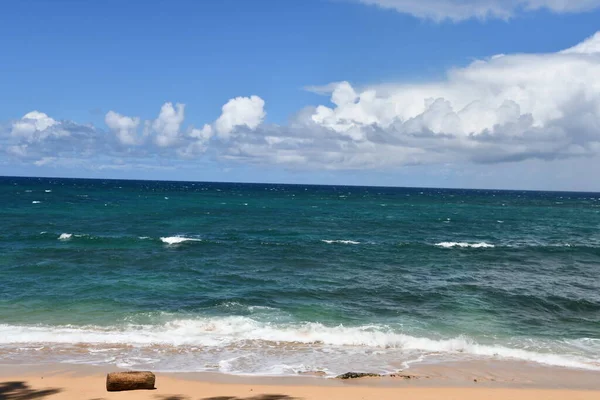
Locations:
{"points": [[429, 93]]}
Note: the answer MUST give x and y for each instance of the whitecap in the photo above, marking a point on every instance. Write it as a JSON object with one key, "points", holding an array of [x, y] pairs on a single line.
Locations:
{"points": [[464, 244], [36, 202], [178, 239], [65, 236], [340, 241]]}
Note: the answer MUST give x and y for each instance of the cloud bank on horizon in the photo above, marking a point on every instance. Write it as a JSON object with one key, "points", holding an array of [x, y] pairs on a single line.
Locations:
{"points": [[459, 10], [504, 108]]}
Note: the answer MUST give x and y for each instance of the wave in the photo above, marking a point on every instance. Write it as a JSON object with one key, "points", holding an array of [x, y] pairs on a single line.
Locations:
{"points": [[168, 240], [36, 202], [340, 241], [225, 333], [113, 240], [69, 236], [592, 246], [65, 236], [464, 245], [178, 239], [524, 246]]}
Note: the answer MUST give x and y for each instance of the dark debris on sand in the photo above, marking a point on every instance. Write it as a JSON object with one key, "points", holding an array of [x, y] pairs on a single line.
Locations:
{"points": [[356, 375]]}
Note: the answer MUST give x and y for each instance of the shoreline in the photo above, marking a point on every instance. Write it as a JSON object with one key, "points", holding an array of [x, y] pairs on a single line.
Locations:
{"points": [[85, 382], [479, 373]]}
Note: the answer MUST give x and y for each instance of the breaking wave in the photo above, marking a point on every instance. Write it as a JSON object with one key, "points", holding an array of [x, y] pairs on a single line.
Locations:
{"points": [[341, 241], [465, 245], [227, 333], [178, 239]]}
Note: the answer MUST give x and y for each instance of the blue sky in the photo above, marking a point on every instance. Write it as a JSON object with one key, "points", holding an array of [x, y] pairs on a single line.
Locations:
{"points": [[421, 101]]}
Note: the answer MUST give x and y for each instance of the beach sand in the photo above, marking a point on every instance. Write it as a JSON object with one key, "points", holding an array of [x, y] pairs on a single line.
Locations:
{"points": [[68, 382]]}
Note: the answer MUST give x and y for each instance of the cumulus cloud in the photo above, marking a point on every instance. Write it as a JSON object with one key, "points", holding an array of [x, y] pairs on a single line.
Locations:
{"points": [[198, 141], [37, 136], [36, 126], [124, 127], [241, 111], [165, 131], [588, 46], [505, 108], [168, 123], [458, 10]]}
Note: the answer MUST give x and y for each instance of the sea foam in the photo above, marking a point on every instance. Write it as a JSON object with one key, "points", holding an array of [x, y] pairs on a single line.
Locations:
{"points": [[463, 245], [178, 239], [341, 241], [65, 236], [227, 333]]}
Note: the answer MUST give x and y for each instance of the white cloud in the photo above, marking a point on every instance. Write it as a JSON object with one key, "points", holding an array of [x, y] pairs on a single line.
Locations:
{"points": [[198, 141], [38, 135], [36, 126], [476, 99], [165, 130], [168, 123], [124, 127], [203, 134], [588, 46], [241, 111], [505, 108], [458, 10]]}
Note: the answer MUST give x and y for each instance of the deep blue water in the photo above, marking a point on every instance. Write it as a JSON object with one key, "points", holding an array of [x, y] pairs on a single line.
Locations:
{"points": [[279, 279]]}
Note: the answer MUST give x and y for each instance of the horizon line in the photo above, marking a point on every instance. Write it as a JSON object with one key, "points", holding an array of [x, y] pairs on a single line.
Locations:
{"points": [[297, 184]]}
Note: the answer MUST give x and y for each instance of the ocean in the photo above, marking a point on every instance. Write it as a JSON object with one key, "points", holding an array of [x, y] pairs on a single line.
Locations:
{"points": [[270, 279]]}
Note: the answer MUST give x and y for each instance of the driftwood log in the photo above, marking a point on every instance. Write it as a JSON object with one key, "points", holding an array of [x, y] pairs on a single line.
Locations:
{"points": [[132, 380]]}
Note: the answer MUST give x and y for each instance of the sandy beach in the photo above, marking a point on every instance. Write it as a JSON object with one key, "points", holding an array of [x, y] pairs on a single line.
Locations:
{"points": [[300, 200], [65, 382]]}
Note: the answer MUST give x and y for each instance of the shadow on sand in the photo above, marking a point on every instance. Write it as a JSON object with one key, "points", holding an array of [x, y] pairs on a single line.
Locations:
{"points": [[19, 390]]}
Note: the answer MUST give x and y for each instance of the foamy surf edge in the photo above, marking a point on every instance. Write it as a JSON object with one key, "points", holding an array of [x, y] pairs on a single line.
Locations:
{"points": [[225, 333]]}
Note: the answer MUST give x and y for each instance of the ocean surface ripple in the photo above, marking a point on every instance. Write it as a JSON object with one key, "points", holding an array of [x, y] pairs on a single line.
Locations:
{"points": [[281, 279]]}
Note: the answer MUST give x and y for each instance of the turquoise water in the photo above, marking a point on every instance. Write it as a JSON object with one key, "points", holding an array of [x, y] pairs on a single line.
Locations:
{"points": [[281, 279]]}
